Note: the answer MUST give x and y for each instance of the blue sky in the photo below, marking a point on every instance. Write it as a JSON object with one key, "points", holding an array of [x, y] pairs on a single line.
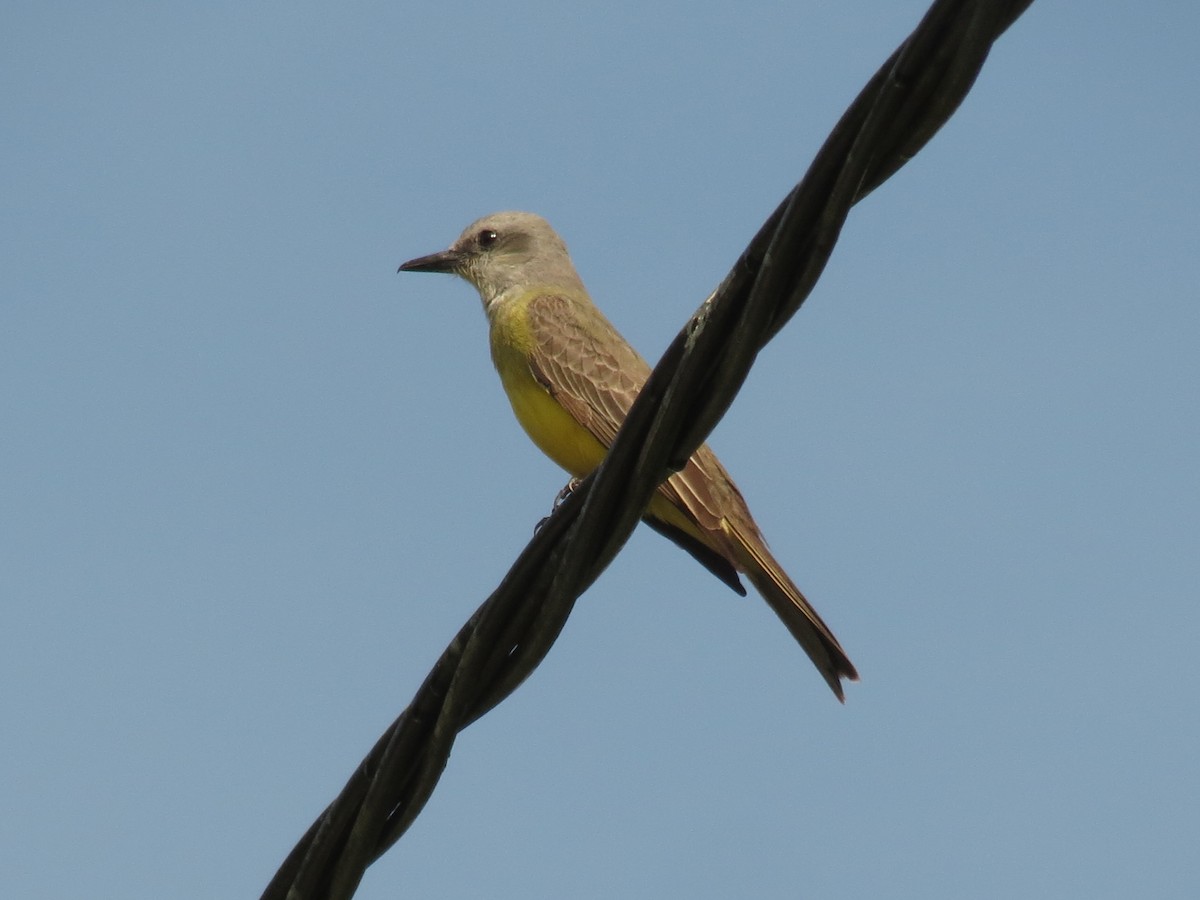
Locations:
{"points": [[253, 481]]}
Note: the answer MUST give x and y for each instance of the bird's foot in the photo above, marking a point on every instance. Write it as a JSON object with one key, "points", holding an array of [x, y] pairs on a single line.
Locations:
{"points": [[559, 499], [568, 489]]}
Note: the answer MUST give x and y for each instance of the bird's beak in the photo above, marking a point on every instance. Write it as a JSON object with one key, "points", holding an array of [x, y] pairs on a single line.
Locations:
{"points": [[443, 261]]}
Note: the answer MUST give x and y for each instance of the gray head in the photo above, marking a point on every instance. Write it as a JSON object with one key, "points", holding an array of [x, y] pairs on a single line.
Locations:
{"points": [[503, 251]]}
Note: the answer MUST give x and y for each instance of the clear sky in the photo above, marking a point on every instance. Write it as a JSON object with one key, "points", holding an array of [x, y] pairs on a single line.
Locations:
{"points": [[253, 481]]}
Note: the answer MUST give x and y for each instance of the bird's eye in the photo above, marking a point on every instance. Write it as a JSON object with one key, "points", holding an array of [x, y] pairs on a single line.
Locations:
{"points": [[487, 237]]}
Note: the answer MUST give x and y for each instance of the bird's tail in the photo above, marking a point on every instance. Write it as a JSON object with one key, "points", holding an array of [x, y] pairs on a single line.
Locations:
{"points": [[756, 561]]}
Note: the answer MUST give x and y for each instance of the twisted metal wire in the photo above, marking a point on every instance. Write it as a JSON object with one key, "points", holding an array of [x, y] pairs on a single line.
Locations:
{"points": [[903, 105]]}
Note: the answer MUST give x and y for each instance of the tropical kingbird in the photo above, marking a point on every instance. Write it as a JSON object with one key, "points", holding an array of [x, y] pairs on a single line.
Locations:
{"points": [[571, 379]]}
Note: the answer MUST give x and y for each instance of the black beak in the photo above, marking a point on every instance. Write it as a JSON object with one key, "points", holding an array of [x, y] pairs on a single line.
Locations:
{"points": [[444, 261]]}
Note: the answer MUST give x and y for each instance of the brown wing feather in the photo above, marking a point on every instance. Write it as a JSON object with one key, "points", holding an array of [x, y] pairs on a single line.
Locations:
{"points": [[584, 363], [596, 375], [581, 359]]}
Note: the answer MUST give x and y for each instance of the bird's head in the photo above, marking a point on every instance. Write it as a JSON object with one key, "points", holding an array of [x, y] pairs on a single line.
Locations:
{"points": [[504, 251]]}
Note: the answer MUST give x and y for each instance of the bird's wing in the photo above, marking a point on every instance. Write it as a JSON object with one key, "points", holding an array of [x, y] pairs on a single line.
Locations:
{"points": [[593, 372], [584, 363], [596, 375]]}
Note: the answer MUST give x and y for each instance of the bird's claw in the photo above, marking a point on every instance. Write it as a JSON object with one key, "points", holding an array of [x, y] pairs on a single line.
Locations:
{"points": [[559, 499], [567, 490]]}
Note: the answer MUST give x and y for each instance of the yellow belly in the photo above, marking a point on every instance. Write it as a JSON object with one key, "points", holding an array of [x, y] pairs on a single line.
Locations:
{"points": [[551, 427]]}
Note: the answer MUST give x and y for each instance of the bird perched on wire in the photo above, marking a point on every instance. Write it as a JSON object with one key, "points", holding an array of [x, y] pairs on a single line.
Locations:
{"points": [[571, 379]]}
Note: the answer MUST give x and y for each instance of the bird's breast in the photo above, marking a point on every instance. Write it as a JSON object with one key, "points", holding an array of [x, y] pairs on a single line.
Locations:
{"points": [[551, 427]]}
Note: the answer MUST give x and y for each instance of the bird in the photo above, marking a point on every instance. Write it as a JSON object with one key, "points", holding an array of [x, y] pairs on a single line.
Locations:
{"points": [[571, 379]]}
